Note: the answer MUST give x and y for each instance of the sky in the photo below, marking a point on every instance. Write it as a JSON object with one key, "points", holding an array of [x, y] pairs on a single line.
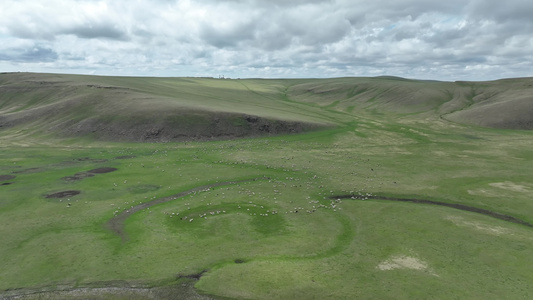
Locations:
{"points": [[423, 39]]}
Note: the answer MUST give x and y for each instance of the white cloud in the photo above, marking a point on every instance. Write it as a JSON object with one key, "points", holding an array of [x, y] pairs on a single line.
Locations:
{"points": [[449, 40]]}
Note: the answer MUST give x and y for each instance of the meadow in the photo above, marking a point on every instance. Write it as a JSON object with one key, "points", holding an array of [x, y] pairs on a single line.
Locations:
{"points": [[291, 197]]}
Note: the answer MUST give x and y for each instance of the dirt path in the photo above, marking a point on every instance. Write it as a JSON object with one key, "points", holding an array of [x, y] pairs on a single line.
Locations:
{"points": [[116, 224], [451, 205]]}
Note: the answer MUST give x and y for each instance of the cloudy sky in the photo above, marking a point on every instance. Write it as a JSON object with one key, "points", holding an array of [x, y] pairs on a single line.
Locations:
{"points": [[425, 39]]}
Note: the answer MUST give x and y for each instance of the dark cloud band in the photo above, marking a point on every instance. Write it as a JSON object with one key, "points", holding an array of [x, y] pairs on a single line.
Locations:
{"points": [[321, 38]]}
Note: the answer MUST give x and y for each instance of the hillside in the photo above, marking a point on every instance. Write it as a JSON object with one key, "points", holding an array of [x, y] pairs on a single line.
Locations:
{"points": [[123, 110], [505, 104], [182, 109]]}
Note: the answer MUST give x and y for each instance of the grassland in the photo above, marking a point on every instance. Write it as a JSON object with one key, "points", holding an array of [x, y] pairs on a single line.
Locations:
{"points": [[269, 221]]}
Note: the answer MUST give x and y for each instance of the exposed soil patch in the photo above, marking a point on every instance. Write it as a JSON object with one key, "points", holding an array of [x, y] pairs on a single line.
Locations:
{"points": [[116, 224], [29, 170], [7, 183], [7, 177], [77, 176], [125, 157], [451, 205], [90, 173], [403, 262], [511, 186], [63, 194], [494, 230], [102, 170], [91, 159], [195, 276]]}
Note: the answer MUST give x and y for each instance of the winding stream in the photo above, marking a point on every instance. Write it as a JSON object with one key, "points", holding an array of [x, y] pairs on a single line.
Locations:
{"points": [[451, 205]]}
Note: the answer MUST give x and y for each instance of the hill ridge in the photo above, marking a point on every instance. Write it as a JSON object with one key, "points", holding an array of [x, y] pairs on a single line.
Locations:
{"points": [[181, 109]]}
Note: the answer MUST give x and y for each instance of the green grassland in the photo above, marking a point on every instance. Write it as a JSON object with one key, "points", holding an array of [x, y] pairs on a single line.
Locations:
{"points": [[274, 157]]}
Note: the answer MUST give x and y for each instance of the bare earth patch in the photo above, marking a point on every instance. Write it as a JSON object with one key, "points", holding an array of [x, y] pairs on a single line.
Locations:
{"points": [[77, 176], [495, 230], [500, 189], [90, 173], [102, 170], [402, 262], [510, 186], [7, 177], [125, 157], [405, 262], [28, 170], [91, 159], [484, 193], [63, 194]]}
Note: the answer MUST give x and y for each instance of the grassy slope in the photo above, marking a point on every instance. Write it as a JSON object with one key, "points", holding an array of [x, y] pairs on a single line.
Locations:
{"points": [[141, 109], [497, 104], [330, 253]]}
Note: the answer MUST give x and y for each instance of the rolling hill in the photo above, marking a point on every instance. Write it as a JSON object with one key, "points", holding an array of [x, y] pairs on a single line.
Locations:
{"points": [[161, 110], [181, 109]]}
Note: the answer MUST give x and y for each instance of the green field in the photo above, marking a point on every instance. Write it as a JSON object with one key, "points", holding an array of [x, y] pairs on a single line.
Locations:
{"points": [[267, 189]]}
